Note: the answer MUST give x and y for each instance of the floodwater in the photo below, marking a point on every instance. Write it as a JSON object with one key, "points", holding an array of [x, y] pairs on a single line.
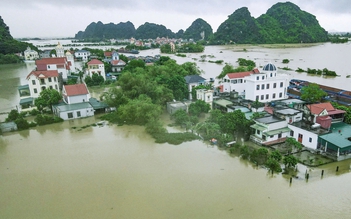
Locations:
{"points": [[68, 171]]}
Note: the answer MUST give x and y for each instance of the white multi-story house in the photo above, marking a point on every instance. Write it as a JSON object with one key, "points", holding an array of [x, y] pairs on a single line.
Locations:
{"points": [[236, 82], [60, 64], [76, 103], [96, 66], [193, 81], [264, 86], [267, 86], [82, 55], [30, 55], [205, 95], [41, 80], [116, 63]]}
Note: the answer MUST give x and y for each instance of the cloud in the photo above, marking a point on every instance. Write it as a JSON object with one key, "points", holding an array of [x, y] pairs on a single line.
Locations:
{"points": [[66, 17]]}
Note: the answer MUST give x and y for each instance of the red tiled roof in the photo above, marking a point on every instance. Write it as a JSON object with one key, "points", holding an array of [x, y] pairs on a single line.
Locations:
{"points": [[242, 74], [50, 61], [238, 74], [95, 62], [76, 89], [44, 74], [319, 107], [108, 53], [117, 62]]}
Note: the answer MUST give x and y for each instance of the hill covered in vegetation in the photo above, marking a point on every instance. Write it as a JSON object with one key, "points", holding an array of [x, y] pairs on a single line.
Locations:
{"points": [[198, 30], [9, 46], [99, 31], [282, 23]]}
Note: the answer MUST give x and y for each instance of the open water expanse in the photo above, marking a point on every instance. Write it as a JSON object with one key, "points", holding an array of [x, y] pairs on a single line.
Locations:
{"points": [[109, 171]]}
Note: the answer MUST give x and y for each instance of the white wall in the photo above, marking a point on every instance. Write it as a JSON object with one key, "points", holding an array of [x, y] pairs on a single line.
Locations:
{"points": [[306, 137], [84, 113]]}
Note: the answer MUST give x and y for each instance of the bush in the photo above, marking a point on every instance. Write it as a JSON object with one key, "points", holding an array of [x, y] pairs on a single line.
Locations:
{"points": [[175, 138], [285, 61], [34, 112], [45, 119]]}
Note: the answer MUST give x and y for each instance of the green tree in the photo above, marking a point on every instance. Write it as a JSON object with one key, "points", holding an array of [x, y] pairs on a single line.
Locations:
{"points": [[290, 161], [208, 129], [259, 156], [139, 111], [312, 93], [133, 64], [47, 98], [236, 123], [13, 115], [276, 155], [180, 117], [114, 97], [273, 165], [199, 107]]}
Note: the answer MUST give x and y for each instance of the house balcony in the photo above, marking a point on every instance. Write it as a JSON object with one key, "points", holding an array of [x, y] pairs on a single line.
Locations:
{"points": [[256, 139]]}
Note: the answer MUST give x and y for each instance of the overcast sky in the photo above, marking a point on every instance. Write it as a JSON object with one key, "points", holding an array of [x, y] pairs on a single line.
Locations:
{"points": [[64, 18]]}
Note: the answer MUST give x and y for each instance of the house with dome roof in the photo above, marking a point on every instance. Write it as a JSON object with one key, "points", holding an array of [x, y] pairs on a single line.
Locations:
{"points": [[264, 86]]}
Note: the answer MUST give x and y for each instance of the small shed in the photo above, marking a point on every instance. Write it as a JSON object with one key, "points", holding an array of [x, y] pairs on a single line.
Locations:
{"points": [[172, 107], [8, 127]]}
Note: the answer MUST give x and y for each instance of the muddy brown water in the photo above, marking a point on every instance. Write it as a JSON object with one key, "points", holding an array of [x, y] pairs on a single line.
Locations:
{"points": [[108, 171]]}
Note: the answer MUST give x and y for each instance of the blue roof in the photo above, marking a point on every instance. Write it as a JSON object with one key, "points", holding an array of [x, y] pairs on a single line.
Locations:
{"points": [[269, 67]]}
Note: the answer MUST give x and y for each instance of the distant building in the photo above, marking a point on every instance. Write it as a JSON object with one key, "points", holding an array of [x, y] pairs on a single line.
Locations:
{"points": [[82, 55], [96, 66], [30, 55]]}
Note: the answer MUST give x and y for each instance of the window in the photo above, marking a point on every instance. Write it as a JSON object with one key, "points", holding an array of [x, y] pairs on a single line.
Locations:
{"points": [[234, 81], [279, 135], [280, 95], [274, 85], [257, 78], [271, 74], [257, 87], [55, 79], [70, 115], [262, 86], [291, 133], [78, 113], [240, 81], [50, 87], [310, 139], [267, 86], [262, 97], [281, 84], [273, 96], [56, 86], [262, 77], [267, 96], [33, 82], [49, 79], [48, 66], [258, 132], [257, 98], [35, 90]]}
